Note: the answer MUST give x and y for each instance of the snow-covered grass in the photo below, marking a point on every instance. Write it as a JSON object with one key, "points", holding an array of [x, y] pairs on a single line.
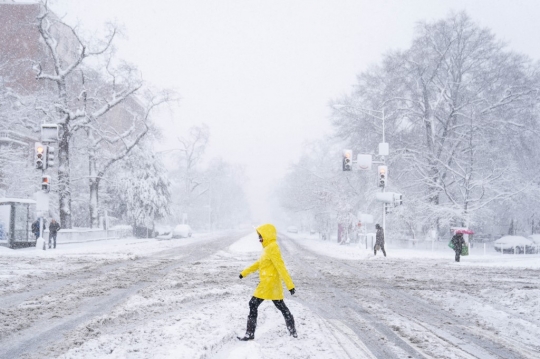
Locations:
{"points": [[107, 248]]}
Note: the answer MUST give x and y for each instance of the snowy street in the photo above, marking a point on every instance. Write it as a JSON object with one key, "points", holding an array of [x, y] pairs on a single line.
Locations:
{"points": [[144, 298], [269, 179]]}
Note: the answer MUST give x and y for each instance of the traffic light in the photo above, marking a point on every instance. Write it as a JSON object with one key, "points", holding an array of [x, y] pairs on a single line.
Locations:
{"points": [[398, 199], [383, 176], [46, 183], [39, 155], [49, 161], [347, 160]]}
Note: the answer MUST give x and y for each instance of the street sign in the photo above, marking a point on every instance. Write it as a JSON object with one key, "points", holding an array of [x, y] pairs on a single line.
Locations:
{"points": [[386, 197], [363, 162], [42, 201], [49, 132], [383, 149], [365, 218]]}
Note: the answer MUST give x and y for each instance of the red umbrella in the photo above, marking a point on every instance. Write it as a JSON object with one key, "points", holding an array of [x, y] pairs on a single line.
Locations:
{"points": [[464, 231]]}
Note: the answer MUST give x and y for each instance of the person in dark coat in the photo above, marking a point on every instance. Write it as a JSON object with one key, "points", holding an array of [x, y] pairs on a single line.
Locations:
{"points": [[458, 242], [379, 239], [54, 227], [35, 228]]}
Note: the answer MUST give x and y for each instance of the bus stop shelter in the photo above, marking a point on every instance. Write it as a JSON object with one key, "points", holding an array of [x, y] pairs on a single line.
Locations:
{"points": [[16, 217]]}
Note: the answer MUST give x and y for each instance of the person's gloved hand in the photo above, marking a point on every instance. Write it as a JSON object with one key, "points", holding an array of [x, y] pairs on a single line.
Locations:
{"points": [[240, 276], [292, 291]]}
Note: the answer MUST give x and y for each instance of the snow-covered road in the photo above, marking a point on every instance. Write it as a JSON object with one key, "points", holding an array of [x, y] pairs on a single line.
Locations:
{"points": [[423, 307], [135, 298]]}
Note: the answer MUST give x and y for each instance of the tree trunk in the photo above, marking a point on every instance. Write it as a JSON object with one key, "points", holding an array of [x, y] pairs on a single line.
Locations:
{"points": [[94, 190], [93, 206]]}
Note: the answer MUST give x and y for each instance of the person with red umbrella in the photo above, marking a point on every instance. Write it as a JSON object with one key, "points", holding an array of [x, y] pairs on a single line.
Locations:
{"points": [[458, 241]]}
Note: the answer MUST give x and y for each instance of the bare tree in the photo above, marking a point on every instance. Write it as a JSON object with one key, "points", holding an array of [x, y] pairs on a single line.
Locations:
{"points": [[67, 52], [192, 148], [106, 145], [450, 100], [224, 191]]}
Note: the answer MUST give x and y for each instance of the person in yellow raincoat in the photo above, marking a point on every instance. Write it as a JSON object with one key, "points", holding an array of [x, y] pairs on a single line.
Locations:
{"points": [[271, 272]]}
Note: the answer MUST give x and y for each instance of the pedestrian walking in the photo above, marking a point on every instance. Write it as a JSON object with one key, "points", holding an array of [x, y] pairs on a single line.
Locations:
{"points": [[35, 227], [272, 271], [458, 242], [379, 240], [54, 227]]}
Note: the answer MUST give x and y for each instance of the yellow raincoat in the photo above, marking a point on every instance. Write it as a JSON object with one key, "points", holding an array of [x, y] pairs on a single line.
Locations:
{"points": [[271, 267]]}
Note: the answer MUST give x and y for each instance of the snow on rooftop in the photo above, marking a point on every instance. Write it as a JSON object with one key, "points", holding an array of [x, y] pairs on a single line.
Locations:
{"points": [[17, 200]]}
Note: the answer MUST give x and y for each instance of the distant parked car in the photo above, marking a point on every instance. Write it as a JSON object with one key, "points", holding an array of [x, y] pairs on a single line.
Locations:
{"points": [[182, 231], [519, 244], [536, 239], [164, 232], [292, 229]]}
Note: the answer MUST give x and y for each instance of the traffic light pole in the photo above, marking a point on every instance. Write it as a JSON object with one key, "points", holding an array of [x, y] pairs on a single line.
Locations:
{"points": [[383, 150], [384, 217], [41, 217], [44, 158], [382, 161]]}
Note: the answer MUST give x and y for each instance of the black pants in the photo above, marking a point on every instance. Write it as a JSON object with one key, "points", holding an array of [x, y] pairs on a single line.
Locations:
{"points": [[382, 249], [253, 312], [458, 254], [53, 237]]}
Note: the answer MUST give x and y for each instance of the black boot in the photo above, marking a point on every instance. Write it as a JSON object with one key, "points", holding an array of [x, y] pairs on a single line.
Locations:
{"points": [[289, 319], [292, 331], [247, 337]]}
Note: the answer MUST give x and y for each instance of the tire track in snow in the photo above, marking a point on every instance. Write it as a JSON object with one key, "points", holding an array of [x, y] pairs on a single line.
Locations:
{"points": [[39, 329], [370, 330], [47, 285], [472, 339]]}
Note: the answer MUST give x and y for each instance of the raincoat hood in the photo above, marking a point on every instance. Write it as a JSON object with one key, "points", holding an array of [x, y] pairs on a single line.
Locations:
{"points": [[268, 233]]}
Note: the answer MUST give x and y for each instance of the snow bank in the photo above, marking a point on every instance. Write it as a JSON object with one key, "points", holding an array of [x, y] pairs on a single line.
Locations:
{"points": [[359, 252], [247, 244]]}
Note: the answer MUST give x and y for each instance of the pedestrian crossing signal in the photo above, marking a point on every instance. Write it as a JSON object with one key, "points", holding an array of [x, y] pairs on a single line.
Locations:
{"points": [[46, 183]]}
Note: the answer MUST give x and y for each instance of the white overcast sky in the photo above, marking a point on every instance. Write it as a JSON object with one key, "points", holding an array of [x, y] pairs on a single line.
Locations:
{"points": [[261, 73]]}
